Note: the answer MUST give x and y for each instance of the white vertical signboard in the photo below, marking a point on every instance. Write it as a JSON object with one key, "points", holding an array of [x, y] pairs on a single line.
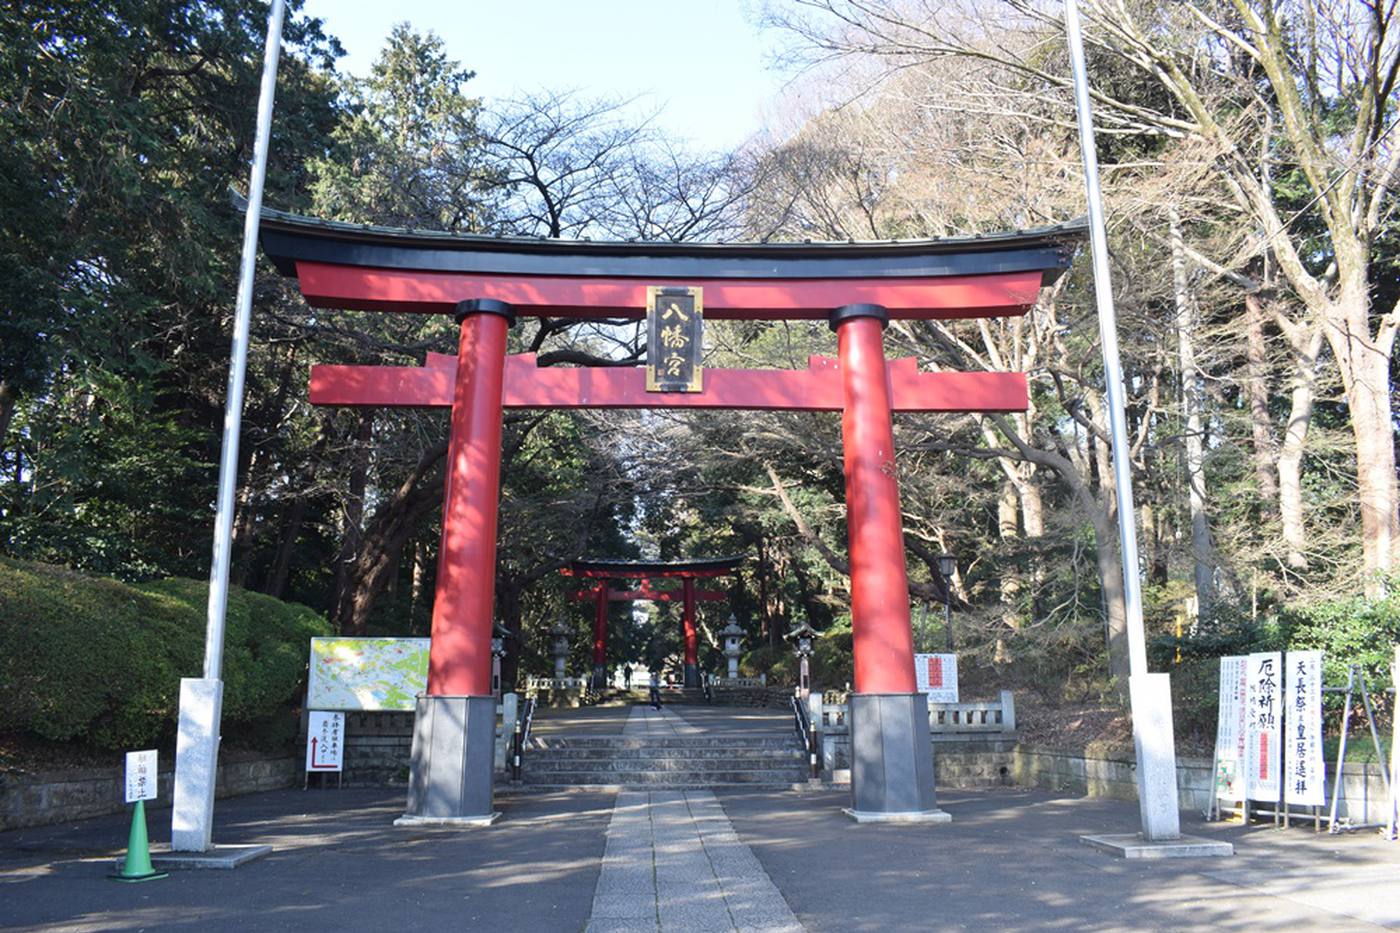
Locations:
{"points": [[1230, 742], [1264, 701], [937, 676], [1302, 750], [325, 741], [141, 775]]}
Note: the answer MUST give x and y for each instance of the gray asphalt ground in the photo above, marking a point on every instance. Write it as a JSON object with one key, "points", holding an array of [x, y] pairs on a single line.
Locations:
{"points": [[1010, 860]]}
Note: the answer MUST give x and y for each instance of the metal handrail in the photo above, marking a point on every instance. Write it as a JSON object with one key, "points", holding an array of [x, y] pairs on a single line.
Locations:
{"points": [[804, 731], [522, 735]]}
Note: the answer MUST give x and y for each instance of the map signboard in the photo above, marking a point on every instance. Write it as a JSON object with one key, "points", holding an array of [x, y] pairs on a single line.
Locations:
{"points": [[367, 673], [937, 676]]}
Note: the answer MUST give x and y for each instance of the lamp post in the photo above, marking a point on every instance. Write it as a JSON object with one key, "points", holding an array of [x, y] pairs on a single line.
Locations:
{"points": [[801, 637], [947, 566], [499, 634], [560, 633], [733, 637]]}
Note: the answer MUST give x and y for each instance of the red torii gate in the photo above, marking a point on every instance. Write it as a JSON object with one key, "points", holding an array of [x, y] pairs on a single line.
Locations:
{"points": [[485, 281], [687, 571]]}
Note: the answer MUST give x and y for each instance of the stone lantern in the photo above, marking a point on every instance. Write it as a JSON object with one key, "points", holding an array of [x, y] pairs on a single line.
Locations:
{"points": [[801, 637], [499, 634], [559, 632], [733, 644]]}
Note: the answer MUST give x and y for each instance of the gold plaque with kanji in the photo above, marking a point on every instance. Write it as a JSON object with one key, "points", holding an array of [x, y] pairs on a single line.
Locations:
{"points": [[675, 339]]}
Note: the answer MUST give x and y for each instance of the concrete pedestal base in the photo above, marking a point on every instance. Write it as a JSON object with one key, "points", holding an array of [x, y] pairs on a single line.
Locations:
{"points": [[922, 816], [450, 774], [692, 676], [892, 759], [461, 822], [1133, 845], [217, 857], [196, 764], [599, 679], [1155, 744]]}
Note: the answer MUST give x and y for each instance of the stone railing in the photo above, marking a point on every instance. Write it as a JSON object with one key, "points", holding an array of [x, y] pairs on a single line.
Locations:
{"points": [[739, 682], [534, 685], [984, 724], [982, 717]]}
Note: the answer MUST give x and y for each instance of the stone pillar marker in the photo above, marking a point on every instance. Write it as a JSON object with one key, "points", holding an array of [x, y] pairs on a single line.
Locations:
{"points": [[454, 727], [891, 755]]}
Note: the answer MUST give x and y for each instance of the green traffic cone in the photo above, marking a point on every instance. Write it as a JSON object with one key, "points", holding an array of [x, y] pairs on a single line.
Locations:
{"points": [[137, 866]]}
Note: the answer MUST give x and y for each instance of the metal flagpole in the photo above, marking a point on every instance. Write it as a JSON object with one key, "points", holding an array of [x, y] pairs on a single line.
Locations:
{"points": [[201, 699], [1149, 693]]}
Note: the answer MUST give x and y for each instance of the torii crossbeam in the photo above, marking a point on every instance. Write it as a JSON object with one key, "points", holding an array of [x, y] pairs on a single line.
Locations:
{"points": [[486, 281]]}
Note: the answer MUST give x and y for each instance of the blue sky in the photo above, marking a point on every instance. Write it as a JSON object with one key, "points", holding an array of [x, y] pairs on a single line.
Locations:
{"points": [[703, 61]]}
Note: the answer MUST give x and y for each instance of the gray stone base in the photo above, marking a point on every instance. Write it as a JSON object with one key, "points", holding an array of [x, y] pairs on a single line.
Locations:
{"points": [[453, 747], [460, 822], [922, 816], [692, 676], [219, 856], [891, 756], [599, 680], [1132, 845]]}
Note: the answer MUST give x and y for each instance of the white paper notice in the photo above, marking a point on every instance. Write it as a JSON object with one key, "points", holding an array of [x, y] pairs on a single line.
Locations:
{"points": [[141, 775], [937, 676], [1264, 700], [1302, 752], [1230, 752], [325, 741]]}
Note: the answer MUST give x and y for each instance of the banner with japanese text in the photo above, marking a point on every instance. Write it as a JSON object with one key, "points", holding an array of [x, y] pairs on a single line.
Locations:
{"points": [[1230, 750], [937, 676], [1302, 752], [325, 741], [1263, 725]]}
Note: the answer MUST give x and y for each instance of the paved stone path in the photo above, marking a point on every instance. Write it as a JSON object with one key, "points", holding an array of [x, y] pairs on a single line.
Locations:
{"points": [[643, 720], [674, 864]]}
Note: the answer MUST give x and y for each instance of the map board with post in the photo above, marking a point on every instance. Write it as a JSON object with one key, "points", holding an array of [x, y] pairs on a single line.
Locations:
{"points": [[367, 673]]}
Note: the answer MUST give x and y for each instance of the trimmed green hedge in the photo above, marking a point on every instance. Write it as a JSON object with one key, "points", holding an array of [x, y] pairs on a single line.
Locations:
{"points": [[94, 660]]}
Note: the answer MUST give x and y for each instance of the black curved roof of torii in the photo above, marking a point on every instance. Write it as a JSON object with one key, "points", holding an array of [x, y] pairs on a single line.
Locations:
{"points": [[287, 238], [630, 568]]}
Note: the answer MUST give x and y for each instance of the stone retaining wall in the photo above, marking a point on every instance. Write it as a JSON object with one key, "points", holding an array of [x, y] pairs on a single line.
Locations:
{"points": [[58, 796], [975, 761]]}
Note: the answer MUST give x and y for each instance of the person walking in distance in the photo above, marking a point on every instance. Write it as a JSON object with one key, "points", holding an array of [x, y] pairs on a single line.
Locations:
{"points": [[627, 677], [654, 686]]}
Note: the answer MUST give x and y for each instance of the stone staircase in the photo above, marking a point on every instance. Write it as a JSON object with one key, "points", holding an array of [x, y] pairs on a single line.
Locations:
{"points": [[673, 761]]}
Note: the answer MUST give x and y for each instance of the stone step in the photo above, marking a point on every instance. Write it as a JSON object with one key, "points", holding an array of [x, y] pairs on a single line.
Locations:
{"points": [[662, 741], [662, 764], [665, 779], [696, 754]]}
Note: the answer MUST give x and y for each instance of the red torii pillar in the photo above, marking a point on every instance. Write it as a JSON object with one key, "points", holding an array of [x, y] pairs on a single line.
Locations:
{"points": [[692, 642], [600, 636], [450, 780], [891, 754]]}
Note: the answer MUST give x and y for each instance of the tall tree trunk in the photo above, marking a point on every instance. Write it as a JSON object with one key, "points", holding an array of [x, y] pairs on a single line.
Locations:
{"points": [[7, 412], [1306, 344], [1364, 363], [1010, 583], [353, 533], [1257, 391], [1192, 404], [286, 547], [383, 542]]}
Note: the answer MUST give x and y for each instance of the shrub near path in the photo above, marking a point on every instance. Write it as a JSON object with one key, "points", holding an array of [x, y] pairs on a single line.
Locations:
{"points": [[96, 662]]}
